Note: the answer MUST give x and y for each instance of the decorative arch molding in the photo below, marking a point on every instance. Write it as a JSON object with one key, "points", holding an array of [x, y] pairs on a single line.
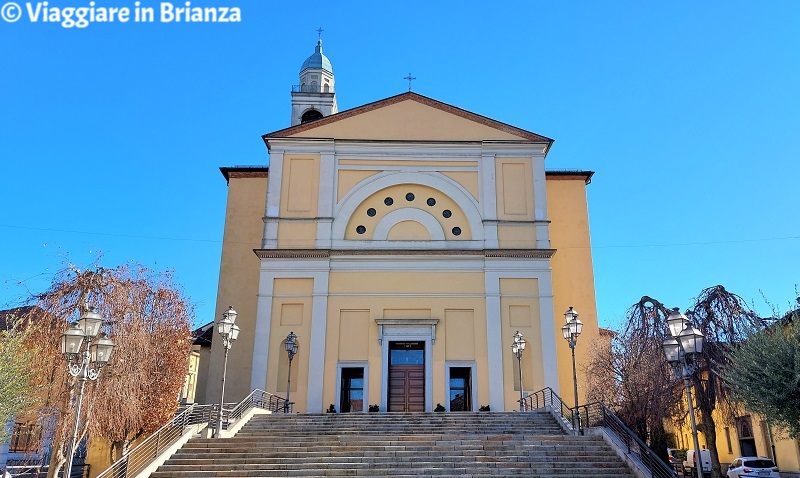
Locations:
{"points": [[409, 214], [373, 184]]}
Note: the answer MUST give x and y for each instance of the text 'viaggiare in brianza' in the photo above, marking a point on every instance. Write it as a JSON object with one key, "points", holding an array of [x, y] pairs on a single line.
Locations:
{"points": [[81, 16]]}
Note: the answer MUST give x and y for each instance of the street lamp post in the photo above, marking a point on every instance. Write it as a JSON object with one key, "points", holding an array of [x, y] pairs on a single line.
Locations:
{"points": [[571, 330], [517, 346], [685, 343], [291, 350], [229, 331], [84, 363]]}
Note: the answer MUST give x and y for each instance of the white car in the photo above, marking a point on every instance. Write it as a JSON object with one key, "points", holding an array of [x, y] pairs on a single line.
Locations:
{"points": [[753, 467]]}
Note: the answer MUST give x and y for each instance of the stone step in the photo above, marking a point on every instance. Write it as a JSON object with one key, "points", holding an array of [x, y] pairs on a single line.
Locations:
{"points": [[398, 445]]}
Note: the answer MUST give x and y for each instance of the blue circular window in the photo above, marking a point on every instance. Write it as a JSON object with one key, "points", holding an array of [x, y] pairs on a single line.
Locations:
{"points": [[431, 202], [388, 201], [446, 213], [361, 229], [456, 231], [371, 212]]}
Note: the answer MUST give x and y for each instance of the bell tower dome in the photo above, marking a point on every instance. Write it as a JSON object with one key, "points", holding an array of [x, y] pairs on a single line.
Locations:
{"points": [[314, 97]]}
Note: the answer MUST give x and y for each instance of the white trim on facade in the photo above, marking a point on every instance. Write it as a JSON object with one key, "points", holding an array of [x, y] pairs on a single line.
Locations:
{"points": [[406, 333]]}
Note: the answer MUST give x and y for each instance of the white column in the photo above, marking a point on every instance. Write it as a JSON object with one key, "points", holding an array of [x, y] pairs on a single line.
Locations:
{"points": [[540, 203], [258, 375], [548, 337], [494, 341], [273, 210], [316, 352], [327, 168]]}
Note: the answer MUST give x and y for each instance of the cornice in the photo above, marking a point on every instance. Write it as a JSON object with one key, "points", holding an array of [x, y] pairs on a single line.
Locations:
{"points": [[327, 253]]}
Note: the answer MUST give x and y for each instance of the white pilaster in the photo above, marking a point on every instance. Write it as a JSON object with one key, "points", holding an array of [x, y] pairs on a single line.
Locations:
{"points": [[258, 374], [327, 167], [273, 209], [488, 198], [316, 352], [494, 341], [540, 203], [548, 337]]}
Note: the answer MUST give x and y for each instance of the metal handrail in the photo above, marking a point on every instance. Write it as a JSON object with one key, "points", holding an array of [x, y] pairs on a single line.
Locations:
{"points": [[140, 457], [546, 397], [598, 415], [143, 454]]}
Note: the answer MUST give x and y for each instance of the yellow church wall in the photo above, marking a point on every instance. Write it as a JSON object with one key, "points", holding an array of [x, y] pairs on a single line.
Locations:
{"points": [[291, 312], [357, 299], [406, 162], [300, 186], [238, 282], [519, 311], [297, 234], [514, 183], [348, 179], [467, 179], [516, 236], [407, 120], [573, 276]]}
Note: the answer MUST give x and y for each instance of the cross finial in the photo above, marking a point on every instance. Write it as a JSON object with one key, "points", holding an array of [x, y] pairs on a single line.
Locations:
{"points": [[319, 32], [410, 78]]}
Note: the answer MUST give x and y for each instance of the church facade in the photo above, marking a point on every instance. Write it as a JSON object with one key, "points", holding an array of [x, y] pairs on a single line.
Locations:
{"points": [[403, 242]]}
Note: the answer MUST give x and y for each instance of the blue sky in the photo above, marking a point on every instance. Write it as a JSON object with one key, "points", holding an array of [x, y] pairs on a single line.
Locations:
{"points": [[111, 136]]}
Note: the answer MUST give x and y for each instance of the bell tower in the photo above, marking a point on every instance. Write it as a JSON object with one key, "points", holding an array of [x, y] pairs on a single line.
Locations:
{"points": [[314, 97]]}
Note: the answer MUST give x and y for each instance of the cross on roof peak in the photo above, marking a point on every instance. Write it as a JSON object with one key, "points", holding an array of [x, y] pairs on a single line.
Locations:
{"points": [[410, 79]]}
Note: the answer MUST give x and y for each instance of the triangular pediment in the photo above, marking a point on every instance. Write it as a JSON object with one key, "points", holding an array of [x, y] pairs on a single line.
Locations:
{"points": [[409, 117]]}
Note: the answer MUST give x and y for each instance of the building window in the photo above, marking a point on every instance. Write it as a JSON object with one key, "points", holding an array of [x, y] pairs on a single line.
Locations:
{"points": [[310, 115], [728, 439], [25, 438]]}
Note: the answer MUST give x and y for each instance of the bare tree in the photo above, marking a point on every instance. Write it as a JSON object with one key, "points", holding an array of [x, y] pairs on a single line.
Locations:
{"points": [[632, 377], [646, 389], [150, 322], [725, 320]]}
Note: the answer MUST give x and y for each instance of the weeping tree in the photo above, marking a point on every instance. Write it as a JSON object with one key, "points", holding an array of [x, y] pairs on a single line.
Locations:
{"points": [[149, 320], [632, 376], [725, 320], [646, 392]]}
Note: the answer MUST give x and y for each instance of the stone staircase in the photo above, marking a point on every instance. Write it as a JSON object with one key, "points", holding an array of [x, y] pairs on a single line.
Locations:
{"points": [[398, 445]]}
